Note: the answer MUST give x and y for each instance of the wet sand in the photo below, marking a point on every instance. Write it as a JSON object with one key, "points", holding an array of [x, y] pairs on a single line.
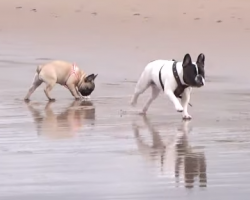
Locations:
{"points": [[103, 149]]}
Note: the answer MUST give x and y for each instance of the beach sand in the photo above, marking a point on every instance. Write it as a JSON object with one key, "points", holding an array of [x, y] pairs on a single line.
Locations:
{"points": [[103, 149]]}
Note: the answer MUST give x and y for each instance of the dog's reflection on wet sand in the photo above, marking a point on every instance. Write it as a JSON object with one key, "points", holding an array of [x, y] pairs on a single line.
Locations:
{"points": [[186, 163], [65, 124]]}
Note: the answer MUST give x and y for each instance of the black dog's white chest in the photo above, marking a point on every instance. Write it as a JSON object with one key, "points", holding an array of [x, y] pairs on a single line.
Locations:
{"points": [[180, 87]]}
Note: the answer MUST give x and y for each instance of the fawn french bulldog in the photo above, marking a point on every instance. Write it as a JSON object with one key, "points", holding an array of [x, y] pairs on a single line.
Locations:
{"points": [[64, 73]]}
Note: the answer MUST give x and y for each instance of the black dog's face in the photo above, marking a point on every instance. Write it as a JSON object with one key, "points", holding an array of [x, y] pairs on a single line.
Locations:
{"points": [[194, 73], [88, 85]]}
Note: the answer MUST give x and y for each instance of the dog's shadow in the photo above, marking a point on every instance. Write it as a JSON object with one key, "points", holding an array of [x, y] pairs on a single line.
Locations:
{"points": [[65, 124], [187, 164]]}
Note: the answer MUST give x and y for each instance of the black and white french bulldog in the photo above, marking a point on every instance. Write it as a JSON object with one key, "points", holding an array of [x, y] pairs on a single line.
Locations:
{"points": [[175, 79]]}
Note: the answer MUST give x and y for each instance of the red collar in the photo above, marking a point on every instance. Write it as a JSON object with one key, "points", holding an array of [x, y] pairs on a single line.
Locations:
{"points": [[73, 71]]}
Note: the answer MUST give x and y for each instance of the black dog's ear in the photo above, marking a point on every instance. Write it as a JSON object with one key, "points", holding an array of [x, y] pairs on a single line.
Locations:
{"points": [[187, 60], [95, 76], [201, 59], [90, 78]]}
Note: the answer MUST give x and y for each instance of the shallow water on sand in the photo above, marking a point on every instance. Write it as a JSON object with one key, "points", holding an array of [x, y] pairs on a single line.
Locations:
{"points": [[102, 149]]}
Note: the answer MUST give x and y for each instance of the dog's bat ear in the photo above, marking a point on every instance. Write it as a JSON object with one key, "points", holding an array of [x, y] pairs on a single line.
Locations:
{"points": [[95, 76], [90, 78], [187, 60], [201, 59]]}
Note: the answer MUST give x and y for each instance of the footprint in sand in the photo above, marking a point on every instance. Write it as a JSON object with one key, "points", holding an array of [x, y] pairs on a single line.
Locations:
{"points": [[137, 14]]}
